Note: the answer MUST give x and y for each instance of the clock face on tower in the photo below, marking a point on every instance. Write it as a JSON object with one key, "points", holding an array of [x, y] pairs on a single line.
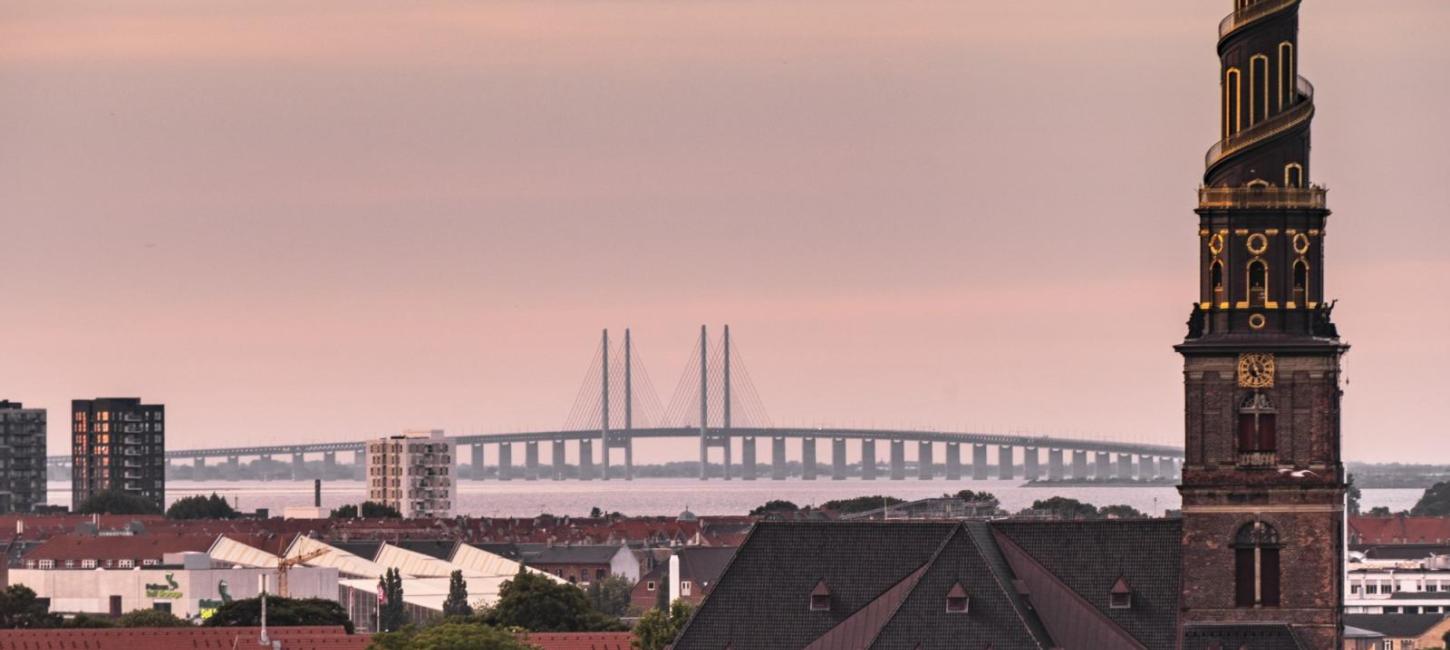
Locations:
{"points": [[1256, 370]]}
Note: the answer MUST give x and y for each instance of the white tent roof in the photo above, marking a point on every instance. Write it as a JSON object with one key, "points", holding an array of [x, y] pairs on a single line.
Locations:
{"points": [[346, 563], [431, 592], [230, 551], [417, 564], [484, 563]]}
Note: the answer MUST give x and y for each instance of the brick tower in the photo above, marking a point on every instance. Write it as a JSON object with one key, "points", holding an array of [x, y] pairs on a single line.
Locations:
{"points": [[1263, 486]]}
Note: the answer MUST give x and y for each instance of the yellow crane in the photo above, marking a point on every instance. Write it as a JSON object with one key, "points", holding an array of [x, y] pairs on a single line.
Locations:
{"points": [[285, 564]]}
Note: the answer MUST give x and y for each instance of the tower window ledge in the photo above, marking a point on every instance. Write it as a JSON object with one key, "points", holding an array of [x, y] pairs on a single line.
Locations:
{"points": [[1259, 459]]}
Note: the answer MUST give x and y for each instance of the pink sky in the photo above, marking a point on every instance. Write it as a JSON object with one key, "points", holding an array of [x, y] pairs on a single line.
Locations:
{"points": [[323, 220]]}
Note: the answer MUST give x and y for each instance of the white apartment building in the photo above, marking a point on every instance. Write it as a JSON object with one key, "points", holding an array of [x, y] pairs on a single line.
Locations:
{"points": [[413, 473], [1399, 586]]}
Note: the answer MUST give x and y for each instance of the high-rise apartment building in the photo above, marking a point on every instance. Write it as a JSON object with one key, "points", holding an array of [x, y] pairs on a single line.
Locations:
{"points": [[118, 443], [413, 473], [22, 457]]}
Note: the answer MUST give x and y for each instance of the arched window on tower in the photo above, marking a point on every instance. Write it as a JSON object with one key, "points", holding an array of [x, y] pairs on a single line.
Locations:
{"points": [[1258, 88], [1287, 77], [1257, 432], [1215, 274], [1256, 565], [1293, 175], [1301, 282], [1232, 102], [1258, 283]]}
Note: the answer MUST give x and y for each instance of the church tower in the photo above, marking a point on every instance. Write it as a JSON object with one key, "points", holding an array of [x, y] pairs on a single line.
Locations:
{"points": [[1263, 485]]}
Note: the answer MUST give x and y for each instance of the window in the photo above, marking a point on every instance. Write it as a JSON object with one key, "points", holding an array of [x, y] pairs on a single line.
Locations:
{"points": [[1258, 88], [1121, 596], [1258, 283], [1257, 432], [88, 564], [125, 564], [649, 585], [1256, 565], [821, 597], [1293, 175], [1232, 102], [686, 588], [70, 564], [1215, 272], [957, 600], [1301, 281], [47, 564], [1287, 76]]}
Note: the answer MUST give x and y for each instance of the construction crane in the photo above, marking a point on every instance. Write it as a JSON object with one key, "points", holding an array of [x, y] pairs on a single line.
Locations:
{"points": [[285, 564]]}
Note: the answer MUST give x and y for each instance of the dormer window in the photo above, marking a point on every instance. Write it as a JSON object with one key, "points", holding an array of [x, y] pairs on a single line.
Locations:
{"points": [[957, 600], [1121, 597], [821, 597]]}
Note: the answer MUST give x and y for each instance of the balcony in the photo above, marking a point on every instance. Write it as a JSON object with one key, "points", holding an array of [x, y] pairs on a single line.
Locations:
{"points": [[1261, 197], [1249, 14]]}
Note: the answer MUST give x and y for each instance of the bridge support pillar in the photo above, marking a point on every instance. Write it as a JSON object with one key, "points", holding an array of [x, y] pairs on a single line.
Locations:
{"points": [[1054, 464], [476, 458], [1079, 465], [747, 458], [1125, 467], [297, 466], [1147, 468], [868, 460], [808, 459], [1006, 462], [329, 464], [954, 461], [531, 461], [1029, 463], [1102, 466], [979, 462], [925, 464], [1175, 468], [198, 463], [586, 459], [505, 461], [360, 463], [898, 460], [838, 459], [556, 465], [777, 459], [233, 462]]}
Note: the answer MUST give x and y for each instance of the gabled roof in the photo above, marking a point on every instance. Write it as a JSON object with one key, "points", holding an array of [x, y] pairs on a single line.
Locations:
{"points": [[703, 565], [147, 546], [586, 554], [1090, 557], [182, 638], [1395, 625]]}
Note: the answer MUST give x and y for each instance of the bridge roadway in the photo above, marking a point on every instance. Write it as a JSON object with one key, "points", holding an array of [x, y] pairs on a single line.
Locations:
{"points": [[1152, 461]]}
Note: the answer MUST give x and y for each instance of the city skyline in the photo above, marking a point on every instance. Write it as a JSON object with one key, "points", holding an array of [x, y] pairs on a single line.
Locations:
{"points": [[423, 217]]}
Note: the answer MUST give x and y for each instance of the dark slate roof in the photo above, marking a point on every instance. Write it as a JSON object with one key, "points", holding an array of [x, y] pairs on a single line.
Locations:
{"points": [[365, 550], [704, 564], [1420, 595], [589, 554], [1405, 551], [1090, 556], [437, 549], [1395, 625], [888, 583], [504, 549], [1262, 636]]}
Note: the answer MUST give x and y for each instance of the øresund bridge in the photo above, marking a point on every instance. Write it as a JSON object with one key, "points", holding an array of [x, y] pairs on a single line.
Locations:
{"points": [[716, 404]]}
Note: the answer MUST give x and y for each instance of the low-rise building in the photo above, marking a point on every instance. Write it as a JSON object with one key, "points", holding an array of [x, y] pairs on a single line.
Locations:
{"points": [[413, 473], [581, 564], [189, 585], [1403, 631], [1394, 585]]}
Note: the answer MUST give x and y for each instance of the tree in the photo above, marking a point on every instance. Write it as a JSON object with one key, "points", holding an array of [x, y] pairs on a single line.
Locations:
{"points": [[449, 635], [1120, 512], [200, 507], [860, 504], [370, 510], [538, 603], [1065, 508], [1353, 494], [20, 608], [155, 618], [774, 505], [657, 629], [611, 595], [1379, 511], [116, 502], [457, 602], [1434, 503], [282, 612], [391, 614]]}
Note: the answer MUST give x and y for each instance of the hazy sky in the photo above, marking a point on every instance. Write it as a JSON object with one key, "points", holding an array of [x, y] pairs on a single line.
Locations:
{"points": [[319, 220]]}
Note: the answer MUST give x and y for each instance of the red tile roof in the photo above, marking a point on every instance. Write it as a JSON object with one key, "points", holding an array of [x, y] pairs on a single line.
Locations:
{"points": [[1399, 530], [147, 546], [580, 640], [181, 638]]}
